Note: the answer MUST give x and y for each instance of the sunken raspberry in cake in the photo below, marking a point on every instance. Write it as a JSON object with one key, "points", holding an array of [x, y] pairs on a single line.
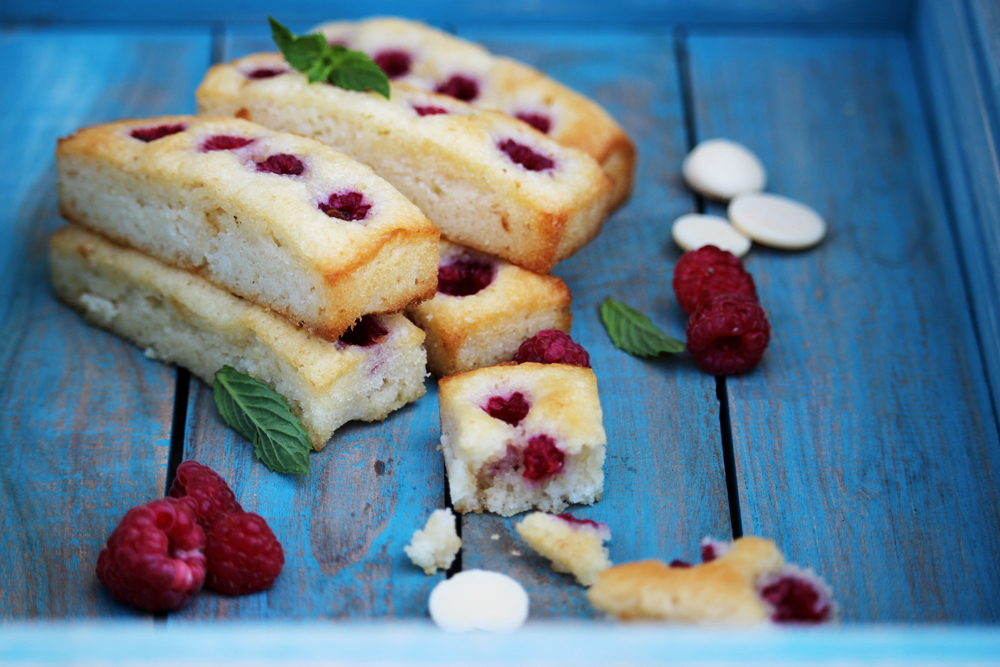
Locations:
{"points": [[484, 308], [522, 436], [487, 180], [178, 317], [281, 220], [575, 546], [412, 53], [746, 581]]}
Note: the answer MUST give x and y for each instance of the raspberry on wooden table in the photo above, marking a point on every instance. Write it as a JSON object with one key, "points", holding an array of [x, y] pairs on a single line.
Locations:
{"points": [[551, 346], [728, 334], [154, 558], [243, 554], [707, 272], [212, 496]]}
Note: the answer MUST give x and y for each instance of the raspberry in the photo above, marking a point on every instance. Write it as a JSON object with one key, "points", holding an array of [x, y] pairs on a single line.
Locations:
{"points": [[542, 458], [154, 558], [148, 134], [511, 409], [429, 110], [677, 562], [394, 63], [524, 156], [460, 87], [464, 276], [282, 164], [221, 142], [796, 599], [551, 346], [265, 73], [367, 331], [346, 206], [243, 554], [538, 121], [211, 495], [706, 272], [573, 521], [728, 334]]}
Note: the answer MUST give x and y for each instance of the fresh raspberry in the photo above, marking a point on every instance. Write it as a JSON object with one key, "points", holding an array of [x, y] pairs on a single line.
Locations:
{"points": [[154, 558], [551, 346], [212, 496], [265, 73], [148, 134], [706, 272], [243, 554], [542, 458], [429, 110], [538, 121], [511, 409], [367, 331], [677, 562], [282, 164], [797, 597], [464, 276], [346, 206], [460, 87], [394, 63], [728, 334], [222, 142], [524, 156]]}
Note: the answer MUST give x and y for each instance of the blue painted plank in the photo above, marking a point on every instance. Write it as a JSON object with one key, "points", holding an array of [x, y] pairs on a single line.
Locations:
{"points": [[664, 478], [865, 443], [86, 416], [894, 14]]}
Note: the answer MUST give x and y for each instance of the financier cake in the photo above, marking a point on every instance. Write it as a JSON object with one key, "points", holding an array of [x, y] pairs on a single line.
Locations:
{"points": [[486, 179], [575, 546], [281, 220], [376, 367], [522, 436], [413, 53], [484, 309]]}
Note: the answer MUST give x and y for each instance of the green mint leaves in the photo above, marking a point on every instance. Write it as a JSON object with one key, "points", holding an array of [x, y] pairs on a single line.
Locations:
{"points": [[634, 333], [351, 70], [263, 417]]}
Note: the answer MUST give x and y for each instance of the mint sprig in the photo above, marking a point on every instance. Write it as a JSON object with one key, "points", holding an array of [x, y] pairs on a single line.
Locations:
{"points": [[331, 63], [262, 416], [634, 333]]}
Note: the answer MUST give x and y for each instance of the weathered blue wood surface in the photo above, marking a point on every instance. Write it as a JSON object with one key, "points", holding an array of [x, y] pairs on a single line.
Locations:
{"points": [[865, 442], [86, 417]]}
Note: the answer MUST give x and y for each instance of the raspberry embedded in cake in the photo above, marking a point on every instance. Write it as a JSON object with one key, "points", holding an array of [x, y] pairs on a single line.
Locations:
{"points": [[465, 276], [540, 122], [573, 521], [367, 332], [350, 206], [525, 156], [149, 134], [796, 596], [266, 73], [394, 62], [223, 142], [542, 458], [282, 164], [429, 110], [460, 87], [510, 409]]}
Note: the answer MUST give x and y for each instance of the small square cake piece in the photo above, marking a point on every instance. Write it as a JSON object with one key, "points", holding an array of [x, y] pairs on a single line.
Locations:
{"points": [[434, 547], [484, 309], [522, 436], [575, 546], [178, 317]]}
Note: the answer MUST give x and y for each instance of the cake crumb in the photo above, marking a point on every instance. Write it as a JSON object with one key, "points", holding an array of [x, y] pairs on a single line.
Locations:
{"points": [[515, 553], [494, 537], [434, 547]]}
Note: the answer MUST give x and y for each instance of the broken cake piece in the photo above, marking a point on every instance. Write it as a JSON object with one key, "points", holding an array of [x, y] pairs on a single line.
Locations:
{"points": [[434, 546], [575, 546]]}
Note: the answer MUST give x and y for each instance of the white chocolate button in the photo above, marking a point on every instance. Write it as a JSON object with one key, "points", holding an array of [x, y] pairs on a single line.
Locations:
{"points": [[777, 221], [479, 600], [694, 230], [722, 169]]}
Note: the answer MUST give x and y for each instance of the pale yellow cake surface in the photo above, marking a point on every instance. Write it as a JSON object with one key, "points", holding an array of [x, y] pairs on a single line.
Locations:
{"points": [[574, 548]]}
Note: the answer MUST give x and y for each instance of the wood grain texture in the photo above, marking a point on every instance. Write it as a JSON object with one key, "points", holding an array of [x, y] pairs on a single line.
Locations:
{"points": [[664, 478], [864, 442], [86, 416], [343, 527]]}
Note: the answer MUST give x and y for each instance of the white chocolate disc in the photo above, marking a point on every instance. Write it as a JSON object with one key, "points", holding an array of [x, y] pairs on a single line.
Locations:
{"points": [[722, 169], [694, 230], [777, 221], [479, 600]]}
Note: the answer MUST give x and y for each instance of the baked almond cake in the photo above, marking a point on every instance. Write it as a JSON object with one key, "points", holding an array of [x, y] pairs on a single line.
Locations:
{"points": [[522, 436], [376, 367], [486, 179], [281, 220], [484, 309], [412, 53], [575, 546]]}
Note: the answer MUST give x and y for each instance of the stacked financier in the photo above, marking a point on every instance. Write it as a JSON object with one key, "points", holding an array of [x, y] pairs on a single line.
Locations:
{"points": [[185, 214]]}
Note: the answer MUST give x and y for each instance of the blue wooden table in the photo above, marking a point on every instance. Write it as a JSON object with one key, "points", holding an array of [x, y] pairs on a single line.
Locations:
{"points": [[866, 444]]}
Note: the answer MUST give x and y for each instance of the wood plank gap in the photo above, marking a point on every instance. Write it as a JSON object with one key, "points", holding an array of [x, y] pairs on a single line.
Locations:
{"points": [[218, 44], [729, 458], [687, 100], [177, 426], [456, 565]]}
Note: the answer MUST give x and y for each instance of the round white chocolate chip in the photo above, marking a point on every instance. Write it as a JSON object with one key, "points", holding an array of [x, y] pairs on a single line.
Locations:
{"points": [[694, 230], [722, 169], [479, 600], [777, 221]]}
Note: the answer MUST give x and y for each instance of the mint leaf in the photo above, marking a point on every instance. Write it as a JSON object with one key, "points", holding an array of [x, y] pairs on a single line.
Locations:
{"points": [[351, 70], [634, 333], [263, 417]]}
